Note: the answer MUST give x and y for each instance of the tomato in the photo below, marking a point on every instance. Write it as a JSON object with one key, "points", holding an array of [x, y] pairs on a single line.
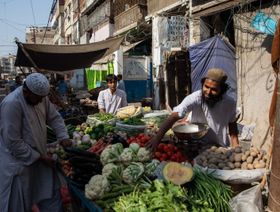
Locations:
{"points": [[164, 156], [171, 147], [141, 135], [161, 146], [157, 154], [173, 158], [169, 153], [166, 148]]}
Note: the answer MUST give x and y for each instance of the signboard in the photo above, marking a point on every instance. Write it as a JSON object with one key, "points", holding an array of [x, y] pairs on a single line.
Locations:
{"points": [[135, 68], [177, 31]]}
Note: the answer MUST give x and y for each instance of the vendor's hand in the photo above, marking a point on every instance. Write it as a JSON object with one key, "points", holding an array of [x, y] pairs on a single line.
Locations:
{"points": [[48, 161], [153, 143], [66, 142]]}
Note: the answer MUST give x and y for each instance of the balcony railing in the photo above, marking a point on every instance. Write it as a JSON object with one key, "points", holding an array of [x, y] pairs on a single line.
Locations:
{"points": [[156, 5], [133, 15]]}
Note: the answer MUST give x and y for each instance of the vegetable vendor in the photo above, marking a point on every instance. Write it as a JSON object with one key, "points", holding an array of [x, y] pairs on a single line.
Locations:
{"points": [[27, 173], [111, 99], [210, 105]]}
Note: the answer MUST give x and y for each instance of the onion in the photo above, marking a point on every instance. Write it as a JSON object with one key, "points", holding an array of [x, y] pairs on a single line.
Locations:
{"points": [[86, 138], [76, 136]]}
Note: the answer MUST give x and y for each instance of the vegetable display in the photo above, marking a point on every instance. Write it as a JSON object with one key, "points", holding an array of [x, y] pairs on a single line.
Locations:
{"points": [[235, 158], [119, 174]]}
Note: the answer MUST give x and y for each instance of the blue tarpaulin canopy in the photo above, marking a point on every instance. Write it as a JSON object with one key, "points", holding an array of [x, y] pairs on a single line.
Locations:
{"points": [[213, 53]]}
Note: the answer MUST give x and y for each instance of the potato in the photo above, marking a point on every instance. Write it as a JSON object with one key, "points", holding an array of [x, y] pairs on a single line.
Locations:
{"points": [[231, 158], [204, 164], [237, 150], [213, 148], [213, 160], [221, 165], [199, 161], [244, 166], [244, 157], [223, 157], [255, 149], [250, 159], [237, 164], [253, 153], [228, 153], [250, 166], [259, 165], [219, 151], [247, 153], [230, 165], [203, 158], [238, 157], [212, 166]]}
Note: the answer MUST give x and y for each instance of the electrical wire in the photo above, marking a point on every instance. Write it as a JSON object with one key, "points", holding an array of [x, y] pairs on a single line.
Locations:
{"points": [[10, 25], [33, 14], [49, 19]]}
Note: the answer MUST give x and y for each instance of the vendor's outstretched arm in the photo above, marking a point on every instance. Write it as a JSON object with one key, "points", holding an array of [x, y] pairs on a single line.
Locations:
{"points": [[166, 125], [233, 132]]}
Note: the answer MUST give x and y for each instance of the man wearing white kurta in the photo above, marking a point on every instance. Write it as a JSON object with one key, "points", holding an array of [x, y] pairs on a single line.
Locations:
{"points": [[27, 174], [210, 105]]}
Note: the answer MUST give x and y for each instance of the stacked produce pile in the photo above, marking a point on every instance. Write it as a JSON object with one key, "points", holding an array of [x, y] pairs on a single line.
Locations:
{"points": [[123, 169], [232, 158]]}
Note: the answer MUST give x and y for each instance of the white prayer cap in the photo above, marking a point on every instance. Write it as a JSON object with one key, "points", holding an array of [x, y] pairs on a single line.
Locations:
{"points": [[38, 84]]}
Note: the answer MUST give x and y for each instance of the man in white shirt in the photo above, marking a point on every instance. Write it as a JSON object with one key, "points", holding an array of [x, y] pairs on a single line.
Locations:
{"points": [[111, 99], [210, 105]]}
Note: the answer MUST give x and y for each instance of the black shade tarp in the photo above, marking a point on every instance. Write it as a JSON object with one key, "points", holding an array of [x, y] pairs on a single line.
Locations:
{"points": [[64, 57]]}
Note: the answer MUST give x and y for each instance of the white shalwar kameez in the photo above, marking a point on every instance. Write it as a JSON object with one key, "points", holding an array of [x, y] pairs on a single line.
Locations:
{"points": [[25, 180], [217, 117]]}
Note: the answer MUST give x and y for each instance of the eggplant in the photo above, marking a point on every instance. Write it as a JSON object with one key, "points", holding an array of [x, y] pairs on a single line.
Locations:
{"points": [[78, 152]]}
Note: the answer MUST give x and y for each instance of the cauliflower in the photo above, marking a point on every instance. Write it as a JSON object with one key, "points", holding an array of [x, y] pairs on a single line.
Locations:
{"points": [[133, 172], [135, 147], [151, 166], [127, 156], [143, 154], [111, 153], [108, 169], [96, 187]]}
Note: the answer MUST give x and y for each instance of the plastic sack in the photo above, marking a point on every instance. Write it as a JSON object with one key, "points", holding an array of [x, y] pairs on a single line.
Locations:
{"points": [[131, 130], [249, 200], [264, 23], [236, 176], [156, 117]]}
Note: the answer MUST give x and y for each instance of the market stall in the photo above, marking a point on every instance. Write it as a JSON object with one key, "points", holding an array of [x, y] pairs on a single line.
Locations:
{"points": [[109, 168]]}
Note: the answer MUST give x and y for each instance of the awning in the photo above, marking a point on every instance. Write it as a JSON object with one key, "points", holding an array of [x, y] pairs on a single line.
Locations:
{"points": [[64, 57]]}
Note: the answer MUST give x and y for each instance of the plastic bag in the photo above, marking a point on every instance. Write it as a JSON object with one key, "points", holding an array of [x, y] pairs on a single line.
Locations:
{"points": [[236, 176], [249, 200], [264, 23]]}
